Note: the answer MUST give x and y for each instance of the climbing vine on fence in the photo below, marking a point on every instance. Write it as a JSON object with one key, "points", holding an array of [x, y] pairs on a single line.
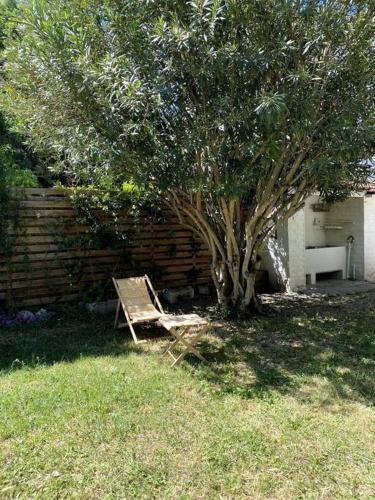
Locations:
{"points": [[62, 253], [9, 228], [101, 214]]}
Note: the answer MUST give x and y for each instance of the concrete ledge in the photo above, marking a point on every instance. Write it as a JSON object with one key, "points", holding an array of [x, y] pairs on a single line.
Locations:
{"points": [[102, 307], [336, 288]]}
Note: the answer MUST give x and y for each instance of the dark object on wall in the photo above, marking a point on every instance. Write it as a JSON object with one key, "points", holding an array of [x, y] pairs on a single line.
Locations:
{"points": [[320, 207]]}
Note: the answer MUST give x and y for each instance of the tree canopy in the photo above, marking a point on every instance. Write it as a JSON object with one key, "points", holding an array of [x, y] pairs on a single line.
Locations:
{"points": [[233, 111], [15, 163]]}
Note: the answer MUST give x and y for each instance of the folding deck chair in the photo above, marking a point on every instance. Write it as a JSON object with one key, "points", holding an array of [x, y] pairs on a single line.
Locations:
{"points": [[135, 300]]}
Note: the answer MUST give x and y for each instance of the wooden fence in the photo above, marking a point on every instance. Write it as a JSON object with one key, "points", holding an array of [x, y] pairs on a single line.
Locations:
{"points": [[50, 263]]}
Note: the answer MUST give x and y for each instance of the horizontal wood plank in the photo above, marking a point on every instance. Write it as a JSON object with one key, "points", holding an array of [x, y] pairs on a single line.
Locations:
{"points": [[47, 265]]}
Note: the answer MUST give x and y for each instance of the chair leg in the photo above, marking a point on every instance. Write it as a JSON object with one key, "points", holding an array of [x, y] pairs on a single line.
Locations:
{"points": [[176, 341], [188, 350], [132, 331], [179, 359], [117, 313], [189, 346]]}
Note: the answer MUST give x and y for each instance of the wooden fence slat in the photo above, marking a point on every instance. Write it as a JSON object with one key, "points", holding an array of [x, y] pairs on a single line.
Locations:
{"points": [[51, 247], [38, 269], [93, 270], [56, 262], [47, 300], [151, 237], [19, 273], [38, 191], [44, 203], [41, 257], [44, 229]]}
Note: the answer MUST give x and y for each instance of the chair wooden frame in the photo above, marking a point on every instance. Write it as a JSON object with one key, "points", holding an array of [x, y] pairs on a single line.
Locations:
{"points": [[143, 306], [121, 303], [180, 337]]}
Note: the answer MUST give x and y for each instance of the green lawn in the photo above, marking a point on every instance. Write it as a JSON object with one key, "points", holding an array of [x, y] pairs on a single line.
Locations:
{"points": [[284, 409]]}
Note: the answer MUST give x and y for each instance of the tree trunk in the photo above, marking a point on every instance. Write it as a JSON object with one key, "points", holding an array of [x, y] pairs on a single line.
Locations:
{"points": [[235, 238], [233, 246], [236, 293]]}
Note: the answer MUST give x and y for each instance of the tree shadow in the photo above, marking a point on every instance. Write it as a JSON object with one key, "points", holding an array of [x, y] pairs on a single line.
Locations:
{"points": [[321, 354], [65, 339]]}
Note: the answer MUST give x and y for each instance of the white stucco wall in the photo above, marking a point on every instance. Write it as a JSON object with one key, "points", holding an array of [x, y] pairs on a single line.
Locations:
{"points": [[350, 215], [275, 259], [296, 257], [369, 238], [284, 258], [314, 234]]}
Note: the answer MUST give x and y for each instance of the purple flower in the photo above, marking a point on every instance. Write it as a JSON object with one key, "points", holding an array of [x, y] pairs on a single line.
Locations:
{"points": [[6, 320], [25, 317]]}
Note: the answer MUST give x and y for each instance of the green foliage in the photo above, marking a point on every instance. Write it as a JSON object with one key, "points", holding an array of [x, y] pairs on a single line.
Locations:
{"points": [[134, 90], [11, 173], [15, 172], [232, 111], [100, 214], [15, 164]]}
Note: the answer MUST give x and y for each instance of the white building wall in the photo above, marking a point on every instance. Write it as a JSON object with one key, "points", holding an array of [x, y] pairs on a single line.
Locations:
{"points": [[275, 259], [314, 221], [296, 257], [350, 215], [369, 238], [284, 257]]}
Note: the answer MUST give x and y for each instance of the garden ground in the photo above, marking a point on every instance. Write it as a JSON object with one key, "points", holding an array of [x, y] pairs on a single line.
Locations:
{"points": [[283, 409]]}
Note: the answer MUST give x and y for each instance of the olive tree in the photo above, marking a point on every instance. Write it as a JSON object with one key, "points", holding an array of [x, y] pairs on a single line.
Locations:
{"points": [[233, 112]]}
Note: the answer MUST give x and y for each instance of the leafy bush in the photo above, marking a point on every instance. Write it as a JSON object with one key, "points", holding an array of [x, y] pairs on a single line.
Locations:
{"points": [[12, 174]]}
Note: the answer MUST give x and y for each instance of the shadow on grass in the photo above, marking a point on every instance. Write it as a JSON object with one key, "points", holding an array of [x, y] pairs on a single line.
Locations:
{"points": [[323, 353], [71, 334], [326, 352], [66, 338]]}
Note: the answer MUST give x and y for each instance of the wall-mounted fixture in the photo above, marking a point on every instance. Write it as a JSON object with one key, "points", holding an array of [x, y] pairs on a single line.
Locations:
{"points": [[320, 207], [349, 245], [334, 227]]}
